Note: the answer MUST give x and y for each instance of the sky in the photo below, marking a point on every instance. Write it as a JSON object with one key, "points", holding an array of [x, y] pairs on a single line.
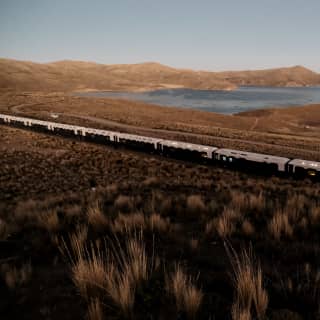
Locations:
{"points": [[202, 35]]}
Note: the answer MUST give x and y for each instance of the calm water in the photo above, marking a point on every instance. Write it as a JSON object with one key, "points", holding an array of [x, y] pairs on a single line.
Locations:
{"points": [[227, 102]]}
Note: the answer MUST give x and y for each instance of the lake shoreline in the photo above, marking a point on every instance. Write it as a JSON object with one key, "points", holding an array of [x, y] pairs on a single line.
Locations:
{"points": [[243, 99]]}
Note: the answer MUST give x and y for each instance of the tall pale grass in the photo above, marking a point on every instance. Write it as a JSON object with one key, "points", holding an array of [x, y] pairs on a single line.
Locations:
{"points": [[250, 295], [280, 226], [187, 296], [95, 310], [244, 202], [113, 270], [95, 216], [126, 223], [224, 225]]}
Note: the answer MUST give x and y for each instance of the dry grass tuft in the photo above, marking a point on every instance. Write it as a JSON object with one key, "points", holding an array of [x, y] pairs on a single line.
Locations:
{"points": [[73, 211], [49, 220], [247, 202], [138, 221], [130, 268], [195, 204], [123, 203], [129, 222], [247, 228], [224, 225], [95, 216], [95, 310], [187, 296], [16, 277], [210, 228], [248, 282], [112, 269], [315, 215], [120, 288], [240, 314], [159, 224], [151, 181], [78, 239], [3, 229], [26, 212], [89, 271], [280, 226], [137, 263], [194, 244]]}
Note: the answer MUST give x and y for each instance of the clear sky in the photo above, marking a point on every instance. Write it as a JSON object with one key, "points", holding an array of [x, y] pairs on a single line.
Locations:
{"points": [[203, 34]]}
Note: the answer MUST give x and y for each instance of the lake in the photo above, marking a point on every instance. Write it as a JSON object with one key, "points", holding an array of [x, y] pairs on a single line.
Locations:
{"points": [[226, 102]]}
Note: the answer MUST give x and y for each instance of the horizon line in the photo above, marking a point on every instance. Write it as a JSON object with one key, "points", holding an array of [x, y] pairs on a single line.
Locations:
{"points": [[162, 64]]}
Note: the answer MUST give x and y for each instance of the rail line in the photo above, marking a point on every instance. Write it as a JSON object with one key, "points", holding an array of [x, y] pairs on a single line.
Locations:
{"points": [[262, 163]]}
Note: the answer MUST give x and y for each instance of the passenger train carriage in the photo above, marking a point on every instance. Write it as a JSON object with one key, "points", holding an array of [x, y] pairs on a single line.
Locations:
{"points": [[254, 160], [249, 161]]}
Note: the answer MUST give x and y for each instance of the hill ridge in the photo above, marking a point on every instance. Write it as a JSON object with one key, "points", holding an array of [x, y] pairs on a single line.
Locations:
{"points": [[73, 75]]}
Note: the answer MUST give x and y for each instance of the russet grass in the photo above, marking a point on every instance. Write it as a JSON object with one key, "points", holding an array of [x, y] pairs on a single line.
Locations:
{"points": [[251, 298], [124, 238], [187, 296]]}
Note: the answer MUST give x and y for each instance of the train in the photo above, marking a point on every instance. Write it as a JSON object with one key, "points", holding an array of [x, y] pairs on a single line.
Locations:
{"points": [[204, 154]]}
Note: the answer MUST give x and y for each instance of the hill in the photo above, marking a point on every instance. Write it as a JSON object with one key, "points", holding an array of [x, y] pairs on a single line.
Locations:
{"points": [[68, 76], [297, 76], [74, 75]]}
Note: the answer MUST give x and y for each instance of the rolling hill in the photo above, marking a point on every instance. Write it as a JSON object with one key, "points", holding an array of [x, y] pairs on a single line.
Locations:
{"points": [[66, 76]]}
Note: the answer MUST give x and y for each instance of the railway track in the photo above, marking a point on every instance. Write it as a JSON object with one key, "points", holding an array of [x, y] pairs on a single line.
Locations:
{"points": [[199, 153]]}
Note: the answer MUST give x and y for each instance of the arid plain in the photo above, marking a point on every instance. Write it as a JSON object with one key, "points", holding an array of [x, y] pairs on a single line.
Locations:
{"points": [[92, 231]]}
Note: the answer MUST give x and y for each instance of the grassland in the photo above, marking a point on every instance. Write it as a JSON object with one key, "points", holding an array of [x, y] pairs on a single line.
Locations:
{"points": [[90, 231], [292, 132]]}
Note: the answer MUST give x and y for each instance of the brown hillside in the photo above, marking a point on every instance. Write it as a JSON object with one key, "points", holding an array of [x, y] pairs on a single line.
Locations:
{"points": [[283, 77], [76, 75]]}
